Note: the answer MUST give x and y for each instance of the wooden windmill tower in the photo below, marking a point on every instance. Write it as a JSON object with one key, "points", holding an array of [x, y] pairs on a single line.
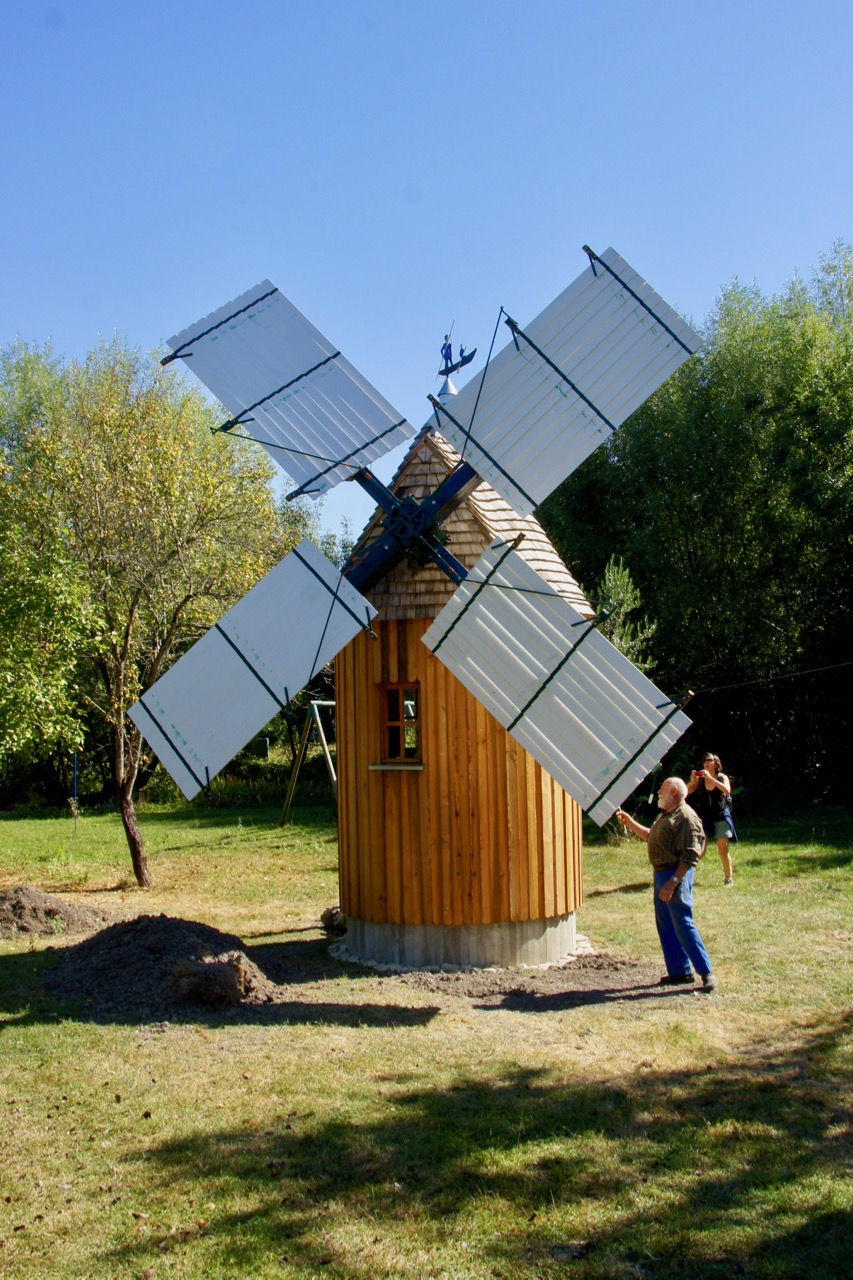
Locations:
{"points": [[455, 845], [483, 709]]}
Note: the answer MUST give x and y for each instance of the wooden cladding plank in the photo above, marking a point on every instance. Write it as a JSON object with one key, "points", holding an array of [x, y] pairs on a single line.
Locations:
{"points": [[390, 841], [527, 868], [350, 765], [370, 883], [420, 854], [441, 765], [484, 801], [459, 773], [361, 831], [514, 824], [470, 831], [343, 720], [535, 871], [410, 859], [381, 821], [562, 844], [433, 905], [390, 664], [550, 850], [375, 652], [363, 890], [500, 882], [577, 851], [402, 646]]}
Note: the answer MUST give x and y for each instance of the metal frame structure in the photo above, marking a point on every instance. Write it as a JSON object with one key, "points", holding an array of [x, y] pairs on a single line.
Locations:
{"points": [[312, 719]]}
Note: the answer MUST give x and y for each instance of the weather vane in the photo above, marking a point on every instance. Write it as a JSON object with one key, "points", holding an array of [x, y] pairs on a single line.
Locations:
{"points": [[449, 365]]}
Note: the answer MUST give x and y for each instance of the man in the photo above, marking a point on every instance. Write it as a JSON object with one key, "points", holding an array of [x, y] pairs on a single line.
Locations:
{"points": [[675, 842]]}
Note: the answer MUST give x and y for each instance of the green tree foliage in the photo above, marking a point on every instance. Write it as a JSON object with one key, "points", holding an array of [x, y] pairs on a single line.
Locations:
{"points": [[617, 595], [42, 609], [730, 496], [142, 527]]}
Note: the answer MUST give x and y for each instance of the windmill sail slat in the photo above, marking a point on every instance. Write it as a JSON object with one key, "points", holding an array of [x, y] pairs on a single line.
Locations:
{"points": [[323, 409], [531, 429], [594, 722], [223, 691]]}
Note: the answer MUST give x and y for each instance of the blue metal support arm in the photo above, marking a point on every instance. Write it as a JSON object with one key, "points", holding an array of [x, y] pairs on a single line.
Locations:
{"points": [[379, 492], [451, 492], [410, 528]]}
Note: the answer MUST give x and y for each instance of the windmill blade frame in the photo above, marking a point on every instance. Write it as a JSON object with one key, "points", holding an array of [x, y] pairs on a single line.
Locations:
{"points": [[316, 415], [567, 381], [248, 666], [576, 704]]}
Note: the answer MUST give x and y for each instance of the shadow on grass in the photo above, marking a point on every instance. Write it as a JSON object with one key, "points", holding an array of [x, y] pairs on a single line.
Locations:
{"points": [[639, 886], [805, 861], [21, 996], [560, 1001], [656, 1174]]}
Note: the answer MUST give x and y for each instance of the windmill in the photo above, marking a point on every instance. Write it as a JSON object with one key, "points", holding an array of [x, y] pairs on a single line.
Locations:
{"points": [[578, 725]]}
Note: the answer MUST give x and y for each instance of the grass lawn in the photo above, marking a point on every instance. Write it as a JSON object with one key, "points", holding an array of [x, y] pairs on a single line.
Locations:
{"points": [[372, 1129]]}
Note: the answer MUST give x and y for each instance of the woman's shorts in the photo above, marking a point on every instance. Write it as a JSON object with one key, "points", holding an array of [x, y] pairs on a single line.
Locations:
{"points": [[722, 830]]}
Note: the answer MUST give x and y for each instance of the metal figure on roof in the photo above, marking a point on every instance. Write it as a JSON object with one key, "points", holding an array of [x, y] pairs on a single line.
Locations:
{"points": [[449, 365]]}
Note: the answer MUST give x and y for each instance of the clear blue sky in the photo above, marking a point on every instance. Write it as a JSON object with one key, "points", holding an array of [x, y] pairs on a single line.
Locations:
{"points": [[394, 167]]}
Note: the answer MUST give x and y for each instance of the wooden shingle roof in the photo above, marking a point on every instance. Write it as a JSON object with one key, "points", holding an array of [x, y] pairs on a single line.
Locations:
{"points": [[410, 590]]}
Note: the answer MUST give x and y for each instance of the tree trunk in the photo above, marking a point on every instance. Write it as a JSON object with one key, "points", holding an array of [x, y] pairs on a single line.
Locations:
{"points": [[141, 870]]}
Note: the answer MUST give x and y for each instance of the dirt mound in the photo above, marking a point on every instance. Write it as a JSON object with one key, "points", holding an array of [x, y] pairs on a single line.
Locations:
{"points": [[27, 910], [152, 965]]}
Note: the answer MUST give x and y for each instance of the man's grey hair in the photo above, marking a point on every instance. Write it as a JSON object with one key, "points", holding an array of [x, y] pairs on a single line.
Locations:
{"points": [[680, 786]]}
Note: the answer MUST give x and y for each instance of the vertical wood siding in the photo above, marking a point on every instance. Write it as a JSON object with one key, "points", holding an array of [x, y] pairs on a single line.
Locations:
{"points": [[480, 835]]}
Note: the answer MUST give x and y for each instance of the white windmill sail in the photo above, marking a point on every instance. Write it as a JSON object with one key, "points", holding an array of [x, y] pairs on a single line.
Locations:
{"points": [[290, 388], [206, 707], [567, 381], [594, 722]]}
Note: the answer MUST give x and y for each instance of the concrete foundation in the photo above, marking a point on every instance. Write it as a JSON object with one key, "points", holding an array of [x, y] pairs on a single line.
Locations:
{"points": [[531, 942]]}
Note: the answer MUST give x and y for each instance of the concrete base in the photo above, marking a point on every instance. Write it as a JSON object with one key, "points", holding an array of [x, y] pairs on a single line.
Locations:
{"points": [[408, 946]]}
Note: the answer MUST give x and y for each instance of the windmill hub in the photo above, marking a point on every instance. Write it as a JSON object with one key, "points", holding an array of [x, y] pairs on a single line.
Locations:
{"points": [[408, 522]]}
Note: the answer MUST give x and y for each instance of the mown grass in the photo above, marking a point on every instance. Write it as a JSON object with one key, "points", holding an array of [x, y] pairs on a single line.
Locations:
{"points": [[370, 1129]]}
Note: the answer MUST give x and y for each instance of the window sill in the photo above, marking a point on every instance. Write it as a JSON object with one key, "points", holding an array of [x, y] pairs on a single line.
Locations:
{"points": [[401, 766]]}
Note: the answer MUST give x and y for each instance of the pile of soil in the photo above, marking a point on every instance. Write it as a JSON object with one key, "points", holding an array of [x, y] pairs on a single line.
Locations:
{"points": [[150, 965], [28, 910]]}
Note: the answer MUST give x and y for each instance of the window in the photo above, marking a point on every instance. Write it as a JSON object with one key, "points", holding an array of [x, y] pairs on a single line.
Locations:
{"points": [[401, 735]]}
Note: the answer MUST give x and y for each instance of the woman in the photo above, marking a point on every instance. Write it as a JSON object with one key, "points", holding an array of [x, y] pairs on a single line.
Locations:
{"points": [[709, 792]]}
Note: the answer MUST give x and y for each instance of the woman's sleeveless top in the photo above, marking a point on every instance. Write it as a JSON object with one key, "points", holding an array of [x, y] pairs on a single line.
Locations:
{"points": [[712, 806]]}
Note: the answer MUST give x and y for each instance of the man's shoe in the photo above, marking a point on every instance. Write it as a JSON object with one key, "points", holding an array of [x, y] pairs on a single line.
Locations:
{"points": [[675, 979], [709, 981]]}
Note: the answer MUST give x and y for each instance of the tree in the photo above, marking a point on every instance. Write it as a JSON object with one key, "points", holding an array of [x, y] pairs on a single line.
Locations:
{"points": [[730, 496], [156, 524], [620, 598], [42, 609]]}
